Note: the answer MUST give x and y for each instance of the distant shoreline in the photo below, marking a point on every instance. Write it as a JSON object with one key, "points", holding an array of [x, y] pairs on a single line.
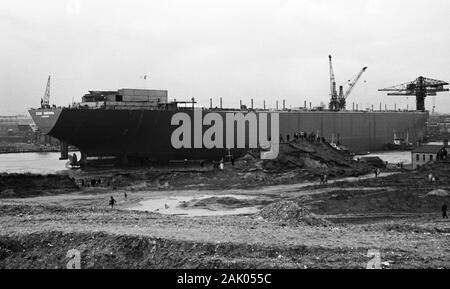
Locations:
{"points": [[11, 148]]}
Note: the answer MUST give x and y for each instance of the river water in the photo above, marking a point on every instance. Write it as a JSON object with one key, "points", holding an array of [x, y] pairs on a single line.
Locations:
{"points": [[393, 157], [36, 163], [172, 206]]}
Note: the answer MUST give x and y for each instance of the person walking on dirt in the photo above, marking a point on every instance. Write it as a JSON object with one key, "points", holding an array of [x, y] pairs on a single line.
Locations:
{"points": [[430, 177], [321, 179], [112, 202], [325, 179], [376, 173], [125, 195], [444, 211]]}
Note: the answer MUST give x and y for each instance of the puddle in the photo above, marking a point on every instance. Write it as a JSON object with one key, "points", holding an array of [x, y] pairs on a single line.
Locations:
{"points": [[175, 203], [174, 206]]}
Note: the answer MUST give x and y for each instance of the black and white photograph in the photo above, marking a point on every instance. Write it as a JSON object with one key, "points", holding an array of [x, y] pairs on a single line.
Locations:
{"points": [[224, 138]]}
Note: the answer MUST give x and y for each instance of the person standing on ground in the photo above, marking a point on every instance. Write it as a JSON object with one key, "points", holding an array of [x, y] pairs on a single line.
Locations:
{"points": [[325, 179], [321, 179], [430, 177], [221, 165], [444, 211], [125, 195], [112, 202], [376, 173]]}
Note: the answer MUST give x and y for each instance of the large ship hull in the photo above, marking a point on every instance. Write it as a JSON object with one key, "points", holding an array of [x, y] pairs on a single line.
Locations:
{"points": [[147, 133]]}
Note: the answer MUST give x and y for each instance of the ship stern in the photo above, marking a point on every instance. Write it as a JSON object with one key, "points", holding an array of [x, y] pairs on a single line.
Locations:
{"points": [[45, 118]]}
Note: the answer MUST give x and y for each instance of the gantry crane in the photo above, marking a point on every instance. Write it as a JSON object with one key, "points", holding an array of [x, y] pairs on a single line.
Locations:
{"points": [[338, 102], [421, 88], [45, 101]]}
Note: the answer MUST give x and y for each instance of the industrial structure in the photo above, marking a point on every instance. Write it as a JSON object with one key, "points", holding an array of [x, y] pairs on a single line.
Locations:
{"points": [[45, 101], [339, 101], [421, 88], [140, 124]]}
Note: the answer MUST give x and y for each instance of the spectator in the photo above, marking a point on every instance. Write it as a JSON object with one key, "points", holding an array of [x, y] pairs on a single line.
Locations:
{"points": [[112, 202]]}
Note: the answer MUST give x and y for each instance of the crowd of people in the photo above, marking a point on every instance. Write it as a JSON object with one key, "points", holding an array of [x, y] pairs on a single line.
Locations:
{"points": [[311, 137], [87, 183]]}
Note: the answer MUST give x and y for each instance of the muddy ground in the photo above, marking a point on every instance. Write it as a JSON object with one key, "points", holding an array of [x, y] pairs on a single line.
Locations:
{"points": [[392, 214], [255, 214]]}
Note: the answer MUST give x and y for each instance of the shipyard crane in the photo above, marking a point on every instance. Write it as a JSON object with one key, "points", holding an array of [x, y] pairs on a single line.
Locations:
{"points": [[338, 102], [421, 88], [343, 96], [45, 101], [333, 93]]}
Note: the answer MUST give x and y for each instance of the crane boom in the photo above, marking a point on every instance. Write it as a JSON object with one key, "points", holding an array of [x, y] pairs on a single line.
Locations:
{"points": [[45, 101], [353, 83]]}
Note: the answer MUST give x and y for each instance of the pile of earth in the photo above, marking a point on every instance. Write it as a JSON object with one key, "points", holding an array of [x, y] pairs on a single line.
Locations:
{"points": [[439, 193], [223, 203], [314, 158], [98, 250], [27, 185], [290, 213]]}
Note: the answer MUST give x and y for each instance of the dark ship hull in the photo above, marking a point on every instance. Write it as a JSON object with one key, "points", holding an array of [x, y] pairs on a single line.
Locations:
{"points": [[147, 133]]}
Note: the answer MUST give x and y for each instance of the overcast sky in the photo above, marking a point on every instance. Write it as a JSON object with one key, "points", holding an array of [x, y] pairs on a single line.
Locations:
{"points": [[234, 49]]}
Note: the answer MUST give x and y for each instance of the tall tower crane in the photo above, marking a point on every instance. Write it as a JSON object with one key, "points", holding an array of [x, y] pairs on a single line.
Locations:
{"points": [[333, 93], [421, 88], [338, 102], [343, 96], [45, 101]]}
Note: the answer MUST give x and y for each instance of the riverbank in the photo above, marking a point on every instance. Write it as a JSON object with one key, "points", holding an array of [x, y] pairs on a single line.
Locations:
{"points": [[7, 148]]}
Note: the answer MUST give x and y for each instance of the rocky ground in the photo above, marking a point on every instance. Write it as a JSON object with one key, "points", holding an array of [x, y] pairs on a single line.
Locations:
{"points": [[299, 224]]}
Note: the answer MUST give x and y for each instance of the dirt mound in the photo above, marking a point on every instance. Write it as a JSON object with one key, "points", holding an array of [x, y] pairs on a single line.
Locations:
{"points": [[27, 185], [439, 193], [289, 212], [220, 203], [106, 251], [313, 158]]}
